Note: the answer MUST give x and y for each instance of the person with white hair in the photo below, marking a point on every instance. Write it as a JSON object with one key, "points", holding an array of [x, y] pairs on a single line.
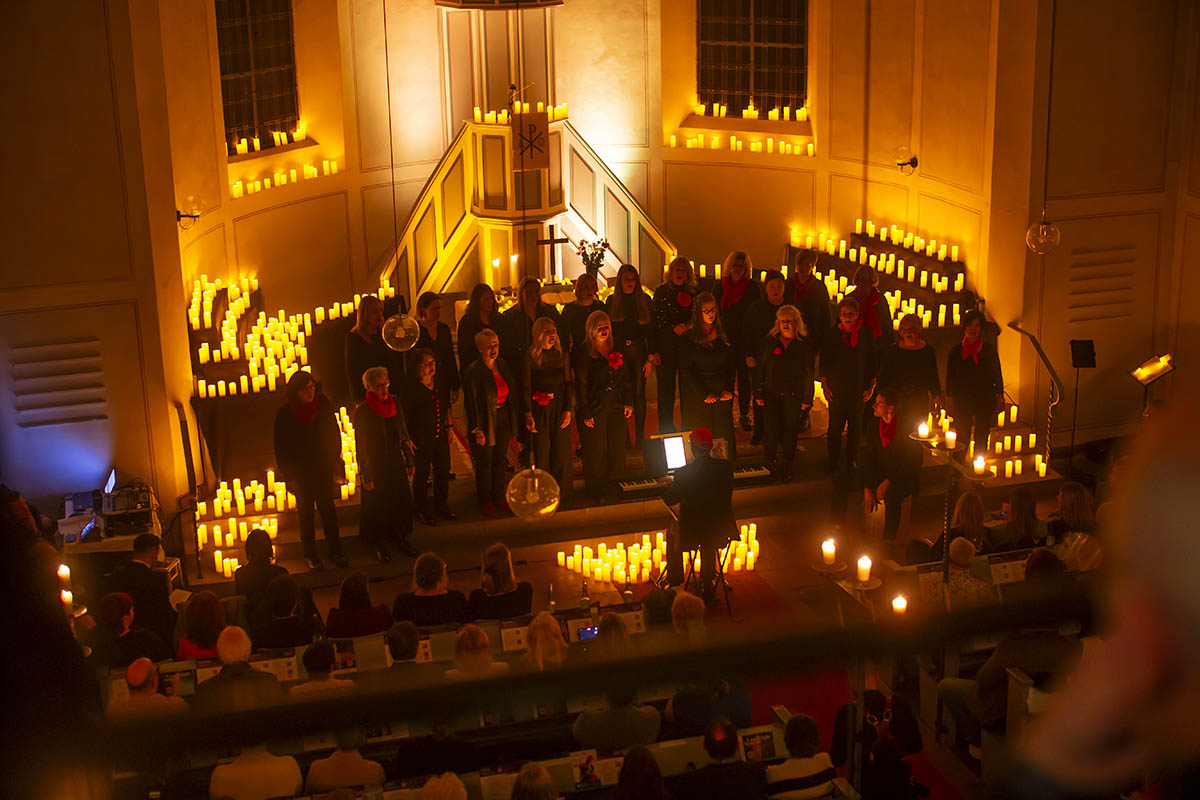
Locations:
{"points": [[141, 679], [238, 685], [386, 464], [444, 787]]}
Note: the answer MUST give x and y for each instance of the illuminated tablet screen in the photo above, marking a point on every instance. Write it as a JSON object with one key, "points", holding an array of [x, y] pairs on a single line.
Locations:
{"points": [[674, 449]]}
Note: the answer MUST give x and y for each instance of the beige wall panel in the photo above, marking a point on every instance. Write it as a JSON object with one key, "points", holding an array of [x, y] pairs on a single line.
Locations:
{"points": [[751, 211], [938, 218], [207, 255], [886, 116], [1100, 284], [377, 217], [319, 71], [534, 54], [88, 365], [1112, 84], [852, 197], [636, 177], [66, 221], [416, 92], [1187, 339], [460, 80], [600, 69], [616, 226], [954, 87], [499, 68], [583, 190], [300, 252]]}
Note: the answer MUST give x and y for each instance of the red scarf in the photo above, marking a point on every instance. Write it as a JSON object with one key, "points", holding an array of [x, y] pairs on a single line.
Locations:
{"points": [[850, 335], [971, 351], [887, 432], [384, 409], [803, 287], [305, 412], [732, 293], [868, 301], [501, 389]]}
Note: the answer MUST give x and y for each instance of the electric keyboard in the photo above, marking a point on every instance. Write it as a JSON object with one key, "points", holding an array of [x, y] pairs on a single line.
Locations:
{"points": [[651, 487]]}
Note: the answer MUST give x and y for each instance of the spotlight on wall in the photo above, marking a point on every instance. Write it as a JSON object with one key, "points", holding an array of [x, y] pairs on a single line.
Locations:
{"points": [[904, 158], [186, 219]]}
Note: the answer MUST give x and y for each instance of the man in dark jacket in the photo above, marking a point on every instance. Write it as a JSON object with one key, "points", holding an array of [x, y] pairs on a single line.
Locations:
{"points": [[150, 590], [238, 686], [728, 777], [704, 491]]}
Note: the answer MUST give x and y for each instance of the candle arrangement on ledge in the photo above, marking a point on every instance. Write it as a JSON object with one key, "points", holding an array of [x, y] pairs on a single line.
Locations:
{"points": [[502, 117], [775, 114], [279, 138], [241, 188], [770, 145], [643, 560], [898, 237]]}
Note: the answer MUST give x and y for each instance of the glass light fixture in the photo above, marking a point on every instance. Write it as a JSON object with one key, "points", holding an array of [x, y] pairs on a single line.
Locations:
{"points": [[400, 332], [1043, 236], [533, 494]]}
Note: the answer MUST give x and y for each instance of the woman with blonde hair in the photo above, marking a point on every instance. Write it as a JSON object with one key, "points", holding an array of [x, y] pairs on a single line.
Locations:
{"points": [[365, 348], [673, 301], [966, 523], [546, 649], [574, 314], [500, 596], [1073, 528], [632, 318], [735, 293], [548, 403], [534, 783], [786, 377], [473, 655], [603, 401], [489, 399], [708, 371]]}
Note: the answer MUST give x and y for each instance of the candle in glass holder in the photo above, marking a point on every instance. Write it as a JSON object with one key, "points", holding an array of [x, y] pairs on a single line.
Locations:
{"points": [[864, 569], [899, 604], [951, 439], [980, 465], [829, 551]]}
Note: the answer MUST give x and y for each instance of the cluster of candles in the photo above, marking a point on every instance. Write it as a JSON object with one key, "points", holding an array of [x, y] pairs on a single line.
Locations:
{"points": [[736, 145], [926, 429], [258, 497], [349, 453], [863, 572], [739, 554], [65, 593], [247, 186], [890, 265], [618, 564], [839, 285], [750, 112], [280, 138], [1000, 444], [502, 117], [235, 531], [204, 293], [908, 240]]}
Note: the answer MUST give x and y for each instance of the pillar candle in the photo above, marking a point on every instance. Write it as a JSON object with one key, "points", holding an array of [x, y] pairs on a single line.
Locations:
{"points": [[811, 149], [562, 558], [1042, 470], [201, 508], [1032, 440], [751, 560], [217, 559], [1007, 443], [864, 569], [1017, 444], [951, 439], [227, 568], [980, 465], [1017, 466], [829, 551], [1008, 468], [899, 604], [1012, 413], [201, 535], [1000, 420]]}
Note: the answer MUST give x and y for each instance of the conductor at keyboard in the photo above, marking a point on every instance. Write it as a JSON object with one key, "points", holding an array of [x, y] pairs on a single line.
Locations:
{"points": [[704, 491]]}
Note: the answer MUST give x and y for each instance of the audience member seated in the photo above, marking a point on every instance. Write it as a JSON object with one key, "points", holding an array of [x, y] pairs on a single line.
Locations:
{"points": [[319, 659], [345, 767], [252, 578], [402, 641], [687, 616], [966, 523], [354, 614], [1072, 528], [204, 619], [657, 607], [1038, 652], [966, 590], [546, 648], [430, 602], [473, 655], [444, 787], [622, 725], [1021, 527], [256, 774], [150, 591], [612, 638], [141, 677], [501, 596], [691, 708], [278, 622], [640, 777], [534, 783], [116, 642], [808, 773], [238, 686], [889, 733], [728, 777]]}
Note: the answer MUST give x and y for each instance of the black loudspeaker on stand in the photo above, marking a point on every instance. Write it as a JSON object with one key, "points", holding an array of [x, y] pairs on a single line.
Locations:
{"points": [[1083, 356]]}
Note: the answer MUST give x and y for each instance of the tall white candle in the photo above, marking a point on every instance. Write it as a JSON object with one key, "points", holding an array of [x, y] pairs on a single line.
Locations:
{"points": [[829, 551], [864, 569]]}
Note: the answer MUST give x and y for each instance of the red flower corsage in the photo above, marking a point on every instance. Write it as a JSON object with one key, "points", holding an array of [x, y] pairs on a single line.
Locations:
{"points": [[778, 351], [684, 299], [541, 398], [615, 360]]}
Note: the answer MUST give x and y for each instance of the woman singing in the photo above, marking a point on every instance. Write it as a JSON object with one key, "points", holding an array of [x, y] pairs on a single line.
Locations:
{"points": [[633, 332], [603, 401], [847, 379], [548, 403], [873, 307], [308, 454], [786, 372], [574, 314], [760, 319], [427, 411], [974, 384], [365, 347], [707, 368], [909, 369], [735, 293], [812, 298], [385, 453], [480, 315], [435, 337], [488, 395], [672, 312]]}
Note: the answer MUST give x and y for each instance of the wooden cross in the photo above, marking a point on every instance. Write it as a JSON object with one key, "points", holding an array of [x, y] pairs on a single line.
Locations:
{"points": [[552, 241]]}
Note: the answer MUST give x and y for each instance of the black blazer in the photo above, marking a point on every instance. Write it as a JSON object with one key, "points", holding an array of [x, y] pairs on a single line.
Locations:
{"points": [[783, 370], [312, 451], [704, 491], [974, 384], [814, 308], [446, 377], [479, 400], [361, 355], [599, 389], [468, 326], [382, 444]]}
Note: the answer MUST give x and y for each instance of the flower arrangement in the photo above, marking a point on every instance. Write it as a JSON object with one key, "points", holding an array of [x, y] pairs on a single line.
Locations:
{"points": [[591, 253]]}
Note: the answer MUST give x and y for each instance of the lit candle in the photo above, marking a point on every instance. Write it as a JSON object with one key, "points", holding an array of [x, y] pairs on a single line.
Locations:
{"points": [[201, 534], [858, 225], [829, 551], [923, 431], [864, 569], [954, 253], [1032, 440], [1000, 420], [994, 470], [751, 560], [1008, 468], [562, 558], [1007, 443], [899, 605], [980, 465], [217, 555], [1012, 413], [811, 149], [737, 564], [1017, 444], [68, 601], [1042, 470], [1017, 466], [951, 439], [227, 568]]}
